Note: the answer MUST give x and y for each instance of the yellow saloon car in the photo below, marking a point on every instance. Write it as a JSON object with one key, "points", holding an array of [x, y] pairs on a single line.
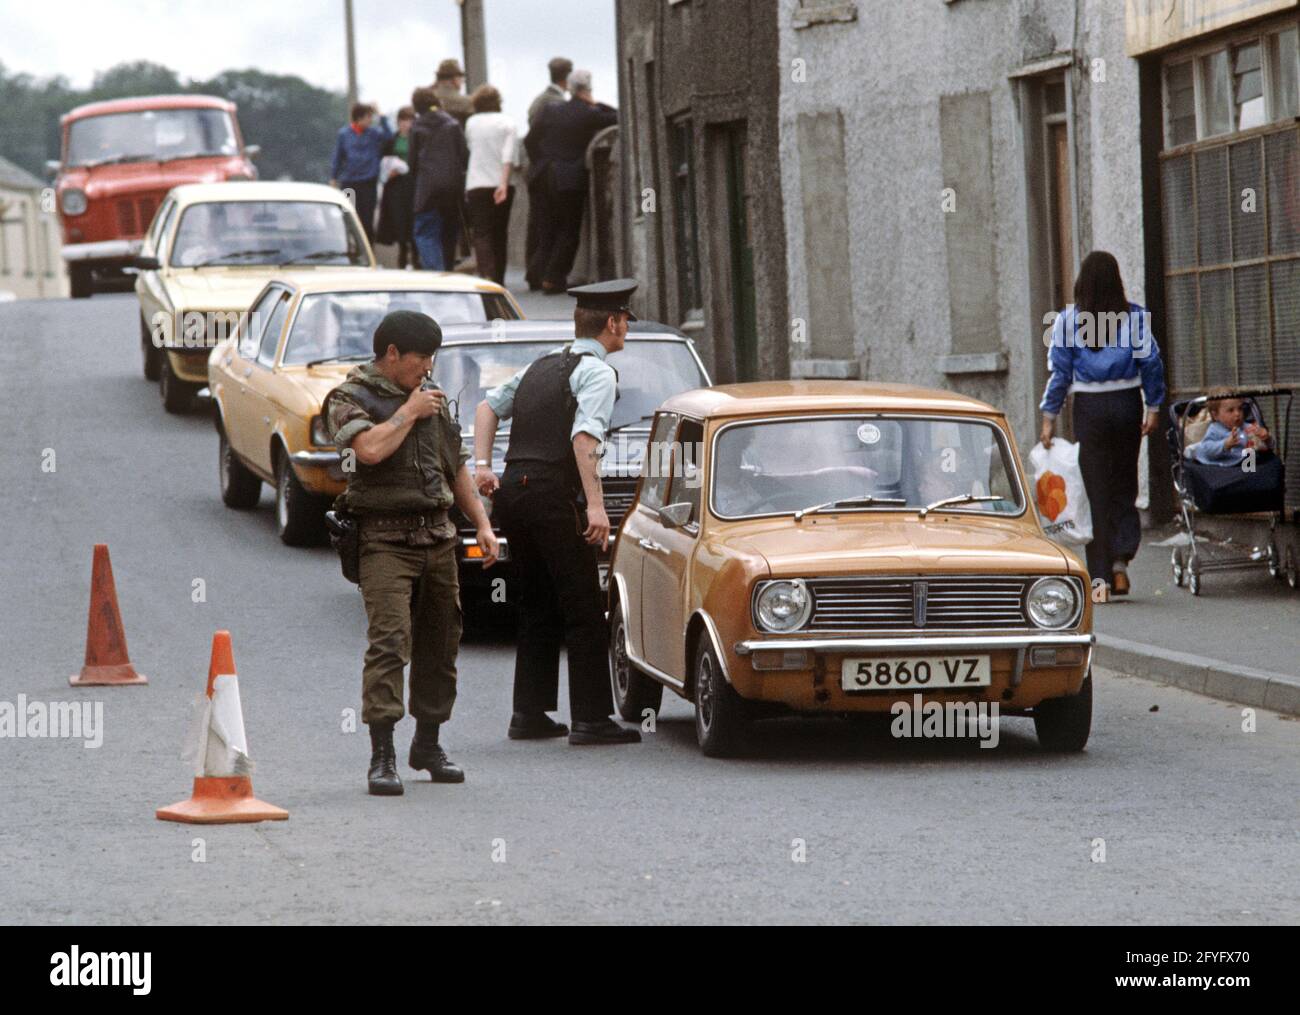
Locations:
{"points": [[211, 249], [302, 335]]}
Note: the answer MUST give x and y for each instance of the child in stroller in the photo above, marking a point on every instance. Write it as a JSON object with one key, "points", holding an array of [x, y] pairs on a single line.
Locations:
{"points": [[1230, 437], [1227, 467]]}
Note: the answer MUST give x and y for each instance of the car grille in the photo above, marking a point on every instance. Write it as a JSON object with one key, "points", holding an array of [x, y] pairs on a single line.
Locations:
{"points": [[891, 604], [619, 495], [135, 213]]}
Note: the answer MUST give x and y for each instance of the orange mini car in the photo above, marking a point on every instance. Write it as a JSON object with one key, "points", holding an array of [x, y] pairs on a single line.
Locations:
{"points": [[836, 547]]}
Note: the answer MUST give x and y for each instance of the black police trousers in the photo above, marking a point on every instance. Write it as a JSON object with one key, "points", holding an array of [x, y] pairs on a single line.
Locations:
{"points": [[558, 596]]}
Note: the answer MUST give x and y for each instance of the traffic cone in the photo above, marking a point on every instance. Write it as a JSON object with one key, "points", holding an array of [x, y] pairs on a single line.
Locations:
{"points": [[106, 658], [223, 790]]}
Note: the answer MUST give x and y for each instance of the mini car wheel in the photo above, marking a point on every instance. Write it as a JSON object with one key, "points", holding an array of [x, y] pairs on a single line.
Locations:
{"points": [[1292, 569], [720, 723], [240, 489], [1177, 566], [150, 354], [634, 691], [1063, 724], [176, 394], [299, 516]]}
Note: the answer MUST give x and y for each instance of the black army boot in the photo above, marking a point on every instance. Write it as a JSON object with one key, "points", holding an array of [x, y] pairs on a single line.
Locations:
{"points": [[383, 777], [426, 755]]}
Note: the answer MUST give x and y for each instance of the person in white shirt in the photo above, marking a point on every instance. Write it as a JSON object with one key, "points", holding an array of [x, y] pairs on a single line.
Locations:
{"points": [[493, 143]]}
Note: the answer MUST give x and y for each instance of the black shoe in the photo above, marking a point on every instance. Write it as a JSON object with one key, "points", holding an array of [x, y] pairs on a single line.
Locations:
{"points": [[603, 731], [382, 776], [539, 726], [428, 756]]}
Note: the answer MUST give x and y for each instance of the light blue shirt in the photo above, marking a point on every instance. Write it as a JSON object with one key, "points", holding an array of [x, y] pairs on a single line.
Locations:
{"points": [[592, 383]]}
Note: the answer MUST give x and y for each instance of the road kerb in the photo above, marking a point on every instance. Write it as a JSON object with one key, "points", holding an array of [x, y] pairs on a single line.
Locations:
{"points": [[1210, 677]]}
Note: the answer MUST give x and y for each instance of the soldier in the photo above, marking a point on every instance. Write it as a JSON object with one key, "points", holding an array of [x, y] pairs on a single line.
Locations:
{"points": [[550, 508], [409, 466]]}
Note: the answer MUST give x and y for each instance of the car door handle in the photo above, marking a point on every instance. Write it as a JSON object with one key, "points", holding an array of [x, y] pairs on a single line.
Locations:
{"points": [[650, 544], [247, 371]]}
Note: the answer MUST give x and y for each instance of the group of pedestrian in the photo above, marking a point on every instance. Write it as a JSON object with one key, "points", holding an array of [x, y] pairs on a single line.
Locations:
{"points": [[445, 171]]}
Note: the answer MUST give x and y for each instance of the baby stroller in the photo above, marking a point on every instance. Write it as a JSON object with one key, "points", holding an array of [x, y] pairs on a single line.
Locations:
{"points": [[1220, 490]]}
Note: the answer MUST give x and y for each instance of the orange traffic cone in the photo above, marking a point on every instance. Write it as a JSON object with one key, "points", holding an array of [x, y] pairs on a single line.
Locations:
{"points": [[106, 658], [223, 790]]}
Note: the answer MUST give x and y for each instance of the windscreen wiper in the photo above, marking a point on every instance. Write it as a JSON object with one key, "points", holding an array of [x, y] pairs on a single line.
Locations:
{"points": [[867, 501], [352, 357], [235, 253], [965, 498], [320, 255]]}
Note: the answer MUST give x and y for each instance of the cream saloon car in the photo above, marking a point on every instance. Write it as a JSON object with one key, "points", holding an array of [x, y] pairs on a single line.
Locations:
{"points": [[211, 249]]}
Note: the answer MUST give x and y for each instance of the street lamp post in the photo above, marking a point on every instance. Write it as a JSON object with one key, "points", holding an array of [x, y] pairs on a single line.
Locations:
{"points": [[352, 53], [473, 38]]}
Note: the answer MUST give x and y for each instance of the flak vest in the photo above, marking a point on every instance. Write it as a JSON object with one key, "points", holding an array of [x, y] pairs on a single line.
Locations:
{"points": [[415, 478], [542, 422]]}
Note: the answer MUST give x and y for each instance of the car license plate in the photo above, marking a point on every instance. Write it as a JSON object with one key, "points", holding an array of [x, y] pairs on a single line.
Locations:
{"points": [[915, 673]]}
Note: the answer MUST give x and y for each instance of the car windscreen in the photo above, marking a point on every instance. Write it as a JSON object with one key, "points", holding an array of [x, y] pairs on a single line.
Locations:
{"points": [[342, 325], [266, 232], [648, 373], [786, 465], [151, 135]]}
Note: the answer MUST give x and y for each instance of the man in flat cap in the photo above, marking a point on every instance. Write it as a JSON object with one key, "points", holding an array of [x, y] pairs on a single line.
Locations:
{"points": [[549, 506], [405, 465], [448, 87]]}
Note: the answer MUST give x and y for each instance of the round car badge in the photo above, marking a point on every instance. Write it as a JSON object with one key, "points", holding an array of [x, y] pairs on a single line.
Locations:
{"points": [[869, 433]]}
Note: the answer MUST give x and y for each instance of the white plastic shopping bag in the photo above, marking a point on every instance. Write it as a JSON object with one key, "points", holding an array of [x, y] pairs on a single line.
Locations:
{"points": [[1059, 493]]}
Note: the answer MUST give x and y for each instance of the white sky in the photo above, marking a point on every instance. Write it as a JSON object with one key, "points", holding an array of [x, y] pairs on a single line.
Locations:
{"points": [[399, 42]]}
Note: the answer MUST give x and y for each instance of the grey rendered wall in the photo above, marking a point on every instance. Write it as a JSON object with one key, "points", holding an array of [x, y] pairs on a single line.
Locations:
{"points": [[887, 73]]}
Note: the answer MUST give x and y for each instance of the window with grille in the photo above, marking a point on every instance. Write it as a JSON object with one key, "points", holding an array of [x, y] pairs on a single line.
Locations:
{"points": [[1230, 193]]}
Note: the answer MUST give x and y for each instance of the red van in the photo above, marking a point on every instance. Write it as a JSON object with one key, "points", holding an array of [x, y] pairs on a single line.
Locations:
{"points": [[119, 159]]}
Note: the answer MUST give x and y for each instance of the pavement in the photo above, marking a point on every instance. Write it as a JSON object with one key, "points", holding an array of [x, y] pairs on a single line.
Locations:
{"points": [[824, 821], [1239, 640]]}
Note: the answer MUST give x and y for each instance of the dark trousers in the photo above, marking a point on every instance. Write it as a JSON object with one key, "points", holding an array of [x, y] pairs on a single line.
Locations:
{"points": [[559, 237], [559, 599], [489, 224], [536, 214], [1107, 425], [365, 195], [451, 235]]}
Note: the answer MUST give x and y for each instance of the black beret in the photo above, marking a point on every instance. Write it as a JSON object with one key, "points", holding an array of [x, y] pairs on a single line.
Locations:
{"points": [[410, 331]]}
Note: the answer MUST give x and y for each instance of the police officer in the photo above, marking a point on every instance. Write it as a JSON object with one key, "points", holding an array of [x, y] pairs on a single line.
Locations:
{"points": [[409, 467], [550, 508]]}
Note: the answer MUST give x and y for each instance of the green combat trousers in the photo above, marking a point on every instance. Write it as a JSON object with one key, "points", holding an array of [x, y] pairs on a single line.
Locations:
{"points": [[412, 599]]}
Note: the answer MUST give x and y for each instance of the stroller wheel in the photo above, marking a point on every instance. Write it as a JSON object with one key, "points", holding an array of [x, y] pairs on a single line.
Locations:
{"points": [[1292, 570], [1194, 582], [1176, 565], [1275, 569]]}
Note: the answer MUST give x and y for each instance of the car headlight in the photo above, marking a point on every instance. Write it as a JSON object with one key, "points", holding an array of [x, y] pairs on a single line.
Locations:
{"points": [[1052, 603], [73, 201], [783, 606], [320, 436]]}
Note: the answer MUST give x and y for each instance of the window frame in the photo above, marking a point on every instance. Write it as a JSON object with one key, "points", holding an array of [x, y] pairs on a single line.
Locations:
{"points": [[1259, 34], [285, 297]]}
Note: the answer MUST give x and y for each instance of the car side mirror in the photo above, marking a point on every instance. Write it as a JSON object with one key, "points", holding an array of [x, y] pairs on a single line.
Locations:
{"points": [[252, 151], [674, 516], [146, 263], [52, 167]]}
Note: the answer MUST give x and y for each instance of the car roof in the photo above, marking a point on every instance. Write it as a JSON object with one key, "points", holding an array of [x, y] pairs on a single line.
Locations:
{"points": [[257, 190], [803, 396], [545, 331], [333, 279], [141, 102]]}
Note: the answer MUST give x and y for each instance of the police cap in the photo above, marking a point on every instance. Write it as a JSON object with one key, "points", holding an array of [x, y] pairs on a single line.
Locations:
{"points": [[611, 297], [410, 331]]}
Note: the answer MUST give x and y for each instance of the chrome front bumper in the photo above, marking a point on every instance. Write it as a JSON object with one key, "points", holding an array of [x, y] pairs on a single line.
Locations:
{"points": [[104, 250], [921, 643], [317, 459]]}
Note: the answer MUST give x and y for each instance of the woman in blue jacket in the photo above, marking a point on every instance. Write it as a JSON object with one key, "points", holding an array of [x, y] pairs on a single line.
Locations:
{"points": [[1103, 351]]}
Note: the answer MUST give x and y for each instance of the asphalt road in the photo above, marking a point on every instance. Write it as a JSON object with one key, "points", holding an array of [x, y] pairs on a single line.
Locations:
{"points": [[1199, 818]]}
